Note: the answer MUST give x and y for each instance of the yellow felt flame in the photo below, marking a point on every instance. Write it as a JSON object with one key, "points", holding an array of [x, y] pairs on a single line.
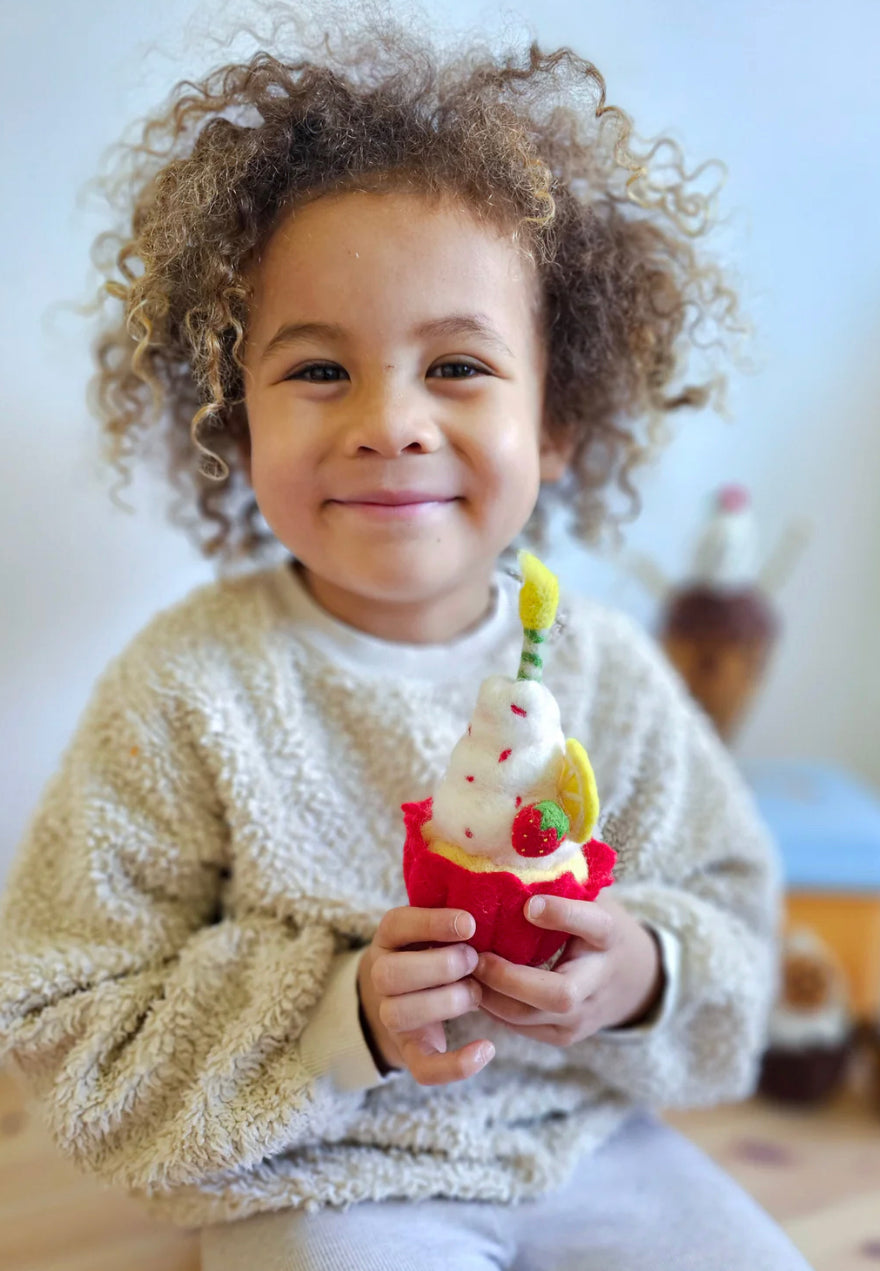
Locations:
{"points": [[539, 594]]}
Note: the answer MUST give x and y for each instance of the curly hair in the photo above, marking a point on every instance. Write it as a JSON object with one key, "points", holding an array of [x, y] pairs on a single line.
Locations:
{"points": [[523, 137]]}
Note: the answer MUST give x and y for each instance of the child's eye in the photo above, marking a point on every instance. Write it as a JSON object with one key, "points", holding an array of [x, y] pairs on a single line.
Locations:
{"points": [[454, 367], [325, 373], [331, 373]]}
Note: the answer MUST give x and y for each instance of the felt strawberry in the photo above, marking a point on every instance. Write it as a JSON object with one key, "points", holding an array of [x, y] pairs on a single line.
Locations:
{"points": [[539, 828]]}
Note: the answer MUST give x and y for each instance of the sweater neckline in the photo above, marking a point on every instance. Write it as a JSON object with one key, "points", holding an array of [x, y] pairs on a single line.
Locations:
{"points": [[355, 650]]}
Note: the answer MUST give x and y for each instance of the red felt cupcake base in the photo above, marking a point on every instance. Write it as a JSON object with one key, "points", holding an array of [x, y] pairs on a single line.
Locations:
{"points": [[495, 898]]}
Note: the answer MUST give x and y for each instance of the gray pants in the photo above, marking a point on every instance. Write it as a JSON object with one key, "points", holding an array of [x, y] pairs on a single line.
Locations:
{"points": [[648, 1200]]}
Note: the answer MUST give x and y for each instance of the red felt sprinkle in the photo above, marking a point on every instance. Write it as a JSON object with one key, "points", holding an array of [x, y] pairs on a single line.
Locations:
{"points": [[518, 800], [505, 754], [468, 778], [517, 710], [468, 834]]}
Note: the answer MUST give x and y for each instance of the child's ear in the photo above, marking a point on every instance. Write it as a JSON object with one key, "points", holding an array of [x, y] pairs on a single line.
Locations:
{"points": [[555, 455]]}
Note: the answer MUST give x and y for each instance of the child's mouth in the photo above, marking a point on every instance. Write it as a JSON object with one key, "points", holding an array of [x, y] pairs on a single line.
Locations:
{"points": [[391, 511]]}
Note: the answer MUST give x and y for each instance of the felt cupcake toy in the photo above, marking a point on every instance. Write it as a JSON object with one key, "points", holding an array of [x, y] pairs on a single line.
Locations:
{"points": [[812, 1031], [514, 813]]}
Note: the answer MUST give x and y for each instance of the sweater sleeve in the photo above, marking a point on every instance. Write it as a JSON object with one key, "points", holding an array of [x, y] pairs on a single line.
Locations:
{"points": [[698, 866], [167, 1040]]}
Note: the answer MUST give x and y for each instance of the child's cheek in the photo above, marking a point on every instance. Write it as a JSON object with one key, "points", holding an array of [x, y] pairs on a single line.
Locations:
{"points": [[509, 481]]}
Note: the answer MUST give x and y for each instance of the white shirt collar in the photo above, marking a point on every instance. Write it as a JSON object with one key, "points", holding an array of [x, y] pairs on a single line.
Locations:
{"points": [[480, 649]]}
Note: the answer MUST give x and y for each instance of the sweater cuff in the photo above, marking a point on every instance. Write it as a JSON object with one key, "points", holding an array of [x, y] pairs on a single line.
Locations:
{"points": [[670, 956], [332, 1045]]}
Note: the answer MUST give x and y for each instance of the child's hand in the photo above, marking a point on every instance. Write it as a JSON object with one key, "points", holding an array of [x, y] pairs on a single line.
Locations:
{"points": [[610, 974], [407, 991]]}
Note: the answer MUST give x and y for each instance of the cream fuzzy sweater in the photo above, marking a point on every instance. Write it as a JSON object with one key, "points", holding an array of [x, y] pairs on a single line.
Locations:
{"points": [[181, 928]]}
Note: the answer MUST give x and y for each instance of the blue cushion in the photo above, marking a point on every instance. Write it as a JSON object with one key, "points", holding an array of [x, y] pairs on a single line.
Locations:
{"points": [[826, 822]]}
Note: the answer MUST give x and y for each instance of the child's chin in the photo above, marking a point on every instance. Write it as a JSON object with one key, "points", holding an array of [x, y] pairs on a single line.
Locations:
{"points": [[403, 573]]}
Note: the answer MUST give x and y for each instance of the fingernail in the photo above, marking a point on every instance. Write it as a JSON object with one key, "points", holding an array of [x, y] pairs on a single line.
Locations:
{"points": [[476, 994], [537, 905], [485, 1053], [464, 925]]}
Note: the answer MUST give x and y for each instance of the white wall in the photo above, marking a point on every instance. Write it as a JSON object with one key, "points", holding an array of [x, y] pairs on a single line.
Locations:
{"points": [[787, 94]]}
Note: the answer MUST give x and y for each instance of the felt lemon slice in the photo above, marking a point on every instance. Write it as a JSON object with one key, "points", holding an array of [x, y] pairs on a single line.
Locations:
{"points": [[577, 791]]}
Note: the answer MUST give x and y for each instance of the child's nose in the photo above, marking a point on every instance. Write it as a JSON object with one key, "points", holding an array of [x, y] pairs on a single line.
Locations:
{"points": [[390, 420]]}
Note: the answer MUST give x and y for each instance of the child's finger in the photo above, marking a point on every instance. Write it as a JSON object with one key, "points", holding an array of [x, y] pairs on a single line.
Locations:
{"points": [[413, 1010], [396, 972], [583, 918], [408, 925], [511, 1011], [545, 990], [431, 1067]]}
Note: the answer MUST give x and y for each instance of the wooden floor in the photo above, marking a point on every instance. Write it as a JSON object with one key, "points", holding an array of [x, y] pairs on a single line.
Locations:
{"points": [[817, 1172]]}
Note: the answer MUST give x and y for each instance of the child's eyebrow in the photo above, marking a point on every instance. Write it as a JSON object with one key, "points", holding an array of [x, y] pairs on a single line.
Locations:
{"points": [[477, 324]]}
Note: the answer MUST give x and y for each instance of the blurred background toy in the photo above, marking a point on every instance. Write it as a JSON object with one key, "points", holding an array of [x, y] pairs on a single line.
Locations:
{"points": [[812, 1030], [718, 628], [719, 625]]}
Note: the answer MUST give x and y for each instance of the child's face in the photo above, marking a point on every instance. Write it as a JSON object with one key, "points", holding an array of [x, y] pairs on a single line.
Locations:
{"points": [[367, 404]]}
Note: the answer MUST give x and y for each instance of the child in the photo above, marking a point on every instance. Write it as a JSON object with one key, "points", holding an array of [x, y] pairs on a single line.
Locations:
{"points": [[409, 289]]}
